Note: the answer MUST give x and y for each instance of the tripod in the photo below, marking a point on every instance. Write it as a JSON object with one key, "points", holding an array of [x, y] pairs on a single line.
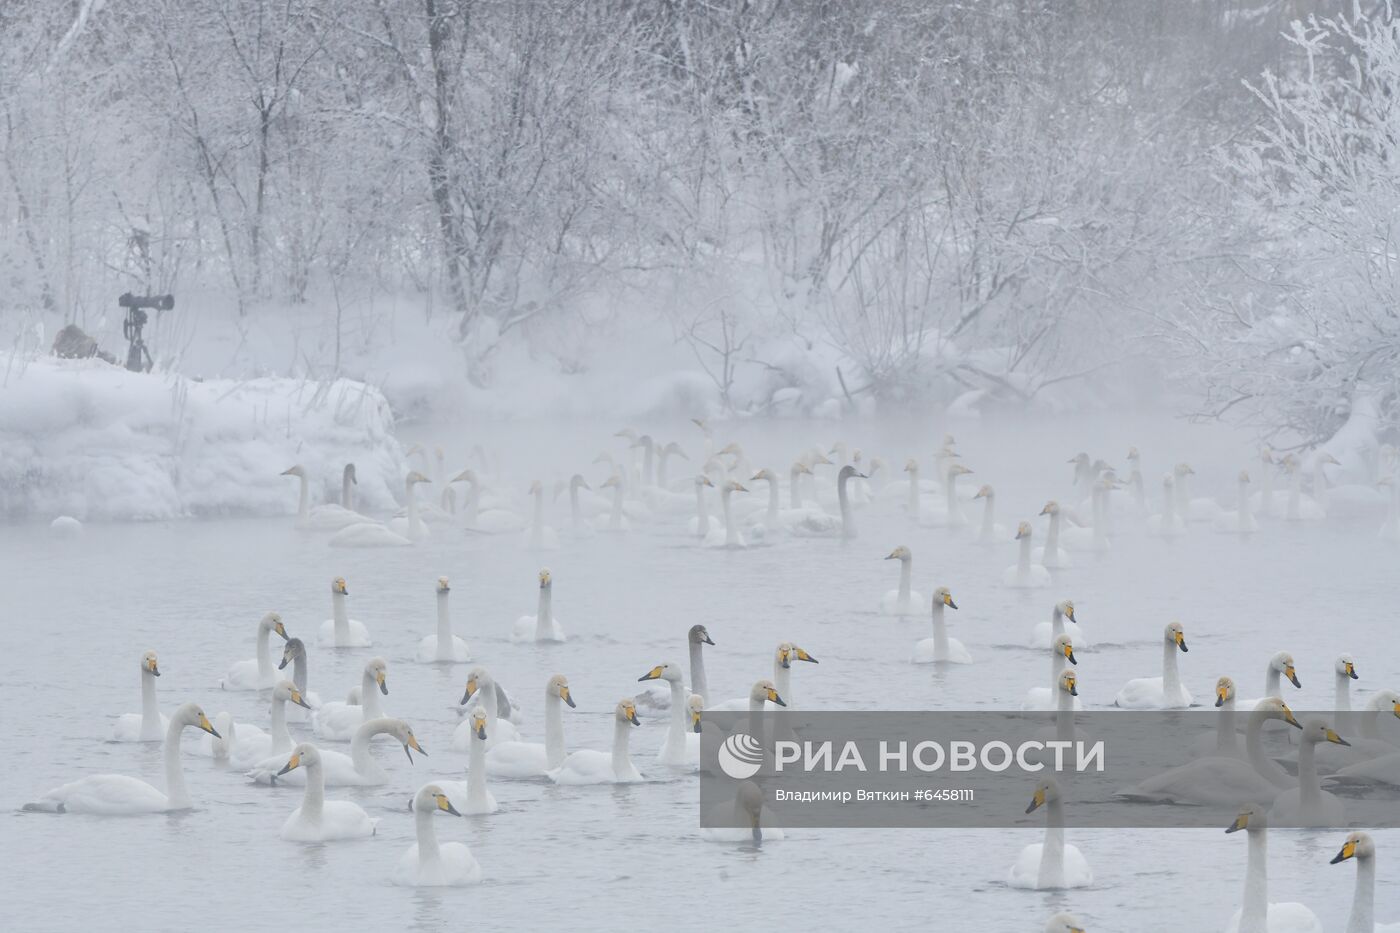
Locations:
{"points": [[131, 330]]}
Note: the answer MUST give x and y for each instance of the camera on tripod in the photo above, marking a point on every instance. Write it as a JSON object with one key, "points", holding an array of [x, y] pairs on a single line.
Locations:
{"points": [[138, 358]]}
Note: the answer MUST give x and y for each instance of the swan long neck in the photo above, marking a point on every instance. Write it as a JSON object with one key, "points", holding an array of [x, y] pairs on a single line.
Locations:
{"points": [[648, 463], [1057, 622], [176, 793], [950, 490], [773, 501], [1243, 498], [906, 579], [444, 628], [476, 777], [782, 681], [1363, 902], [913, 504], [537, 524], [1309, 789], [553, 730], [264, 662], [313, 802], [730, 531], [489, 703], [1254, 750], [428, 850], [360, 742], [150, 711], [299, 672], [702, 515], [1295, 493], [341, 617], [1343, 701], [281, 738], [415, 523], [1052, 853], [1226, 740], [1023, 560], [621, 760], [369, 696], [1064, 717], [1057, 667], [1183, 497], [544, 621], [795, 489], [698, 684], [1366, 722], [473, 503], [675, 735], [304, 499], [1171, 678], [1255, 910], [1052, 537], [1100, 538], [940, 633], [988, 517], [1272, 680], [575, 513], [848, 527], [347, 494]]}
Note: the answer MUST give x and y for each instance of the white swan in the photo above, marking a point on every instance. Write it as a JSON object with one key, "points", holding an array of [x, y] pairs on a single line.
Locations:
{"points": [[939, 648], [542, 626], [498, 707], [256, 673], [1225, 742], [1042, 699], [150, 724], [1308, 804], [1241, 521], [472, 794], [1257, 915], [1382, 768], [1053, 863], [1197, 509], [1024, 574], [903, 601], [443, 647], [337, 721], [1167, 524], [488, 521], [1280, 666], [1165, 692], [578, 523], [682, 746], [341, 631], [729, 536], [357, 769], [588, 766], [991, 531], [783, 659], [1390, 528], [294, 653], [1064, 922], [330, 517], [749, 821], [247, 752], [953, 514], [540, 536], [844, 527], [1362, 847], [428, 863], [118, 794], [659, 699], [1298, 507], [1062, 622], [700, 522], [517, 759], [319, 819], [411, 524]]}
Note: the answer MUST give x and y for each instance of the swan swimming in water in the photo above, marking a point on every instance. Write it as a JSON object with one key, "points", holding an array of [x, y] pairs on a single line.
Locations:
{"points": [[1225, 742], [150, 724], [1051, 864], [991, 531], [118, 794], [1064, 923], [488, 521], [588, 766], [341, 631], [1280, 666], [1308, 804], [542, 626], [443, 647], [294, 653], [729, 536], [540, 536], [753, 823], [1043, 699], [1025, 575], [498, 707], [517, 759], [1382, 768], [256, 673], [700, 522], [428, 863], [330, 517], [903, 601], [940, 649], [657, 698], [845, 527], [1257, 915], [357, 769], [319, 819], [337, 722], [682, 746], [1362, 848], [472, 794], [1241, 521], [1165, 692], [783, 659], [1062, 622], [277, 741]]}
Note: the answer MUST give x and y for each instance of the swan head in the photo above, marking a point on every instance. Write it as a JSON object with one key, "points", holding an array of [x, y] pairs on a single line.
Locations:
{"points": [[1063, 645], [1080, 459], [378, 669], [338, 587], [293, 649], [626, 711], [431, 799], [671, 673], [699, 635], [628, 433], [545, 578], [1275, 708], [402, 731], [958, 469], [644, 441], [1133, 455], [798, 468], [818, 458], [732, 449], [847, 472], [1069, 683], [466, 476], [559, 686], [1047, 791], [735, 486], [1358, 846], [287, 692], [477, 717], [349, 473], [305, 755], [478, 678], [899, 553], [703, 480], [911, 465], [1290, 463], [1175, 635], [191, 714], [1064, 923], [1252, 818], [1183, 469], [674, 449], [1067, 609], [577, 481], [1325, 458], [788, 652], [442, 585], [762, 474], [985, 492], [764, 690], [297, 470], [1346, 667], [1283, 663], [149, 664], [1386, 699], [944, 597], [1224, 691], [1023, 530], [694, 706], [273, 622], [414, 478], [1244, 478], [1316, 731], [1168, 483]]}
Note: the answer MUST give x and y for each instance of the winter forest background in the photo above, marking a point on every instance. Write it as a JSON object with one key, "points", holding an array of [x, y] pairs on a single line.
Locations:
{"points": [[729, 206]]}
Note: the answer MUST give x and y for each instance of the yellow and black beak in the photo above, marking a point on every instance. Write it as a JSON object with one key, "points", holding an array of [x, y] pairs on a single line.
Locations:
{"points": [[567, 697], [774, 698], [1181, 640], [280, 629], [445, 805], [1069, 654], [1073, 687], [705, 637], [1351, 671], [471, 689], [1037, 802], [413, 744], [948, 601], [1336, 739], [292, 764], [380, 679], [1241, 822], [481, 730], [1292, 675], [1348, 851], [153, 667], [804, 656], [695, 720], [1220, 694], [1289, 718], [632, 716], [1396, 710], [653, 674], [1069, 614], [341, 588], [208, 727], [892, 555], [300, 700]]}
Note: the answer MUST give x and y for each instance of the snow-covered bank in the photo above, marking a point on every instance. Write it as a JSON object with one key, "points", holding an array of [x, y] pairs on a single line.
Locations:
{"points": [[98, 442]]}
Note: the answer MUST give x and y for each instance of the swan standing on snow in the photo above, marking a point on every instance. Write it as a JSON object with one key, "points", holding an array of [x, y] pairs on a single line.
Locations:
{"points": [[498, 707], [940, 649], [1361, 847], [357, 769], [588, 766], [1308, 804], [428, 864], [1025, 575], [319, 819], [1241, 521], [341, 631], [256, 673], [1053, 863], [472, 794], [1165, 692], [903, 601], [540, 536], [444, 647], [1062, 622], [1257, 915], [1042, 699], [682, 746], [117, 794], [329, 517], [542, 626], [991, 531], [517, 759], [337, 721], [277, 741], [150, 724]]}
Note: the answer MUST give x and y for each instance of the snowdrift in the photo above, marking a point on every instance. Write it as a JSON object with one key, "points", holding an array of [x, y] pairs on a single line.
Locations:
{"points": [[92, 440]]}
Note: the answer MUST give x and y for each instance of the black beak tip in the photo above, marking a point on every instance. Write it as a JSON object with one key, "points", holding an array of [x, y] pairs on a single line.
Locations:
{"points": [[384, 689], [643, 678], [1355, 676], [1337, 858], [1071, 659], [952, 605], [1074, 692], [1184, 649], [215, 733], [1219, 702], [570, 700], [1031, 807], [283, 664]]}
